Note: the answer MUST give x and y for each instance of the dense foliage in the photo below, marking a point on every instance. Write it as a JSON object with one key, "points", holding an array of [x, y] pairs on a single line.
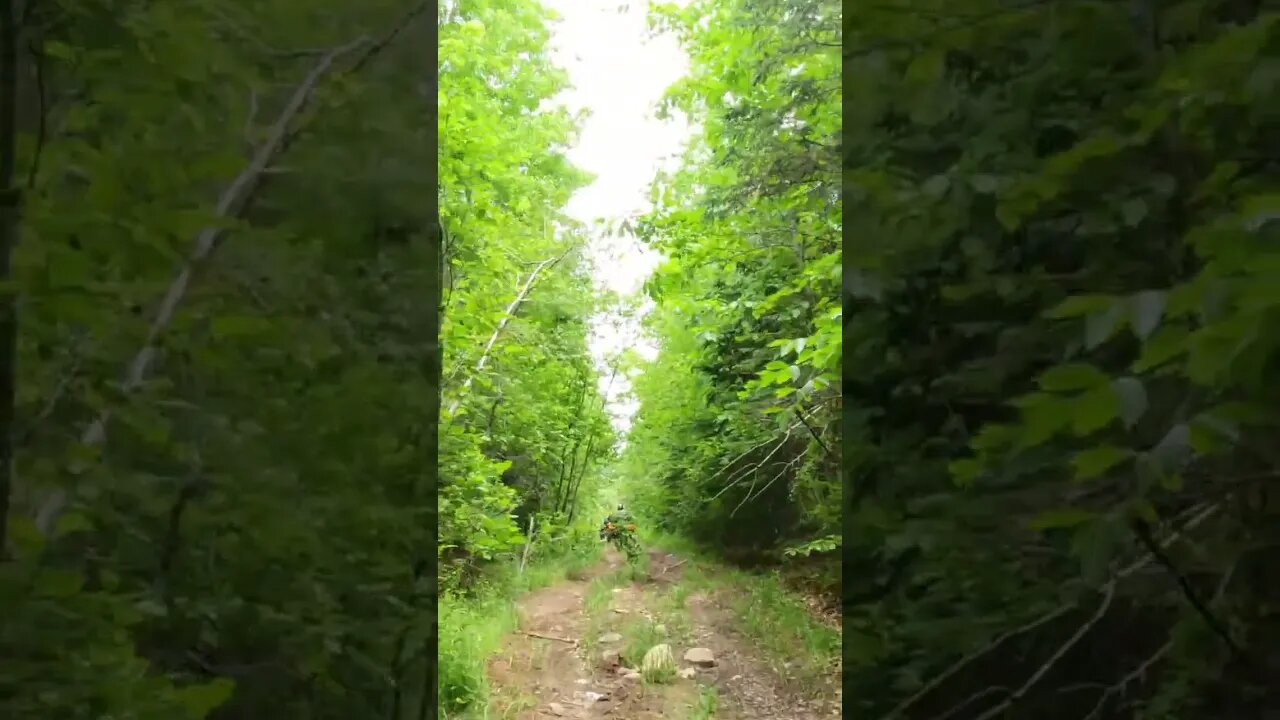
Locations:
{"points": [[227, 376], [1061, 330], [524, 431], [737, 437]]}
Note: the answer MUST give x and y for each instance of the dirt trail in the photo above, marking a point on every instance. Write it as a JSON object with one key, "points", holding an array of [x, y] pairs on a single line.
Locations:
{"points": [[553, 666]]}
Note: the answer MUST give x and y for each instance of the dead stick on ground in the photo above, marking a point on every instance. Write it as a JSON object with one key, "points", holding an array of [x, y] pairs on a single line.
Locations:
{"points": [[673, 567], [551, 637]]}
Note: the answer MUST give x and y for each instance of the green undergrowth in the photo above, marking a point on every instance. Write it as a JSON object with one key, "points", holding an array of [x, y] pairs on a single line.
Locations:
{"points": [[798, 645], [705, 707], [473, 624]]}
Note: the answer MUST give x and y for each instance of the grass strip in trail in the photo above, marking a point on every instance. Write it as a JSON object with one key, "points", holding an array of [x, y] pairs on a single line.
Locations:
{"points": [[799, 645], [472, 628], [705, 708]]}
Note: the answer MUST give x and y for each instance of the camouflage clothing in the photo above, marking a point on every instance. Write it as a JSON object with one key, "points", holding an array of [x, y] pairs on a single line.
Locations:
{"points": [[620, 529]]}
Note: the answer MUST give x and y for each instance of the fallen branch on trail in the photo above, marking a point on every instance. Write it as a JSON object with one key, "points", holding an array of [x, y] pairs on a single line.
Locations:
{"points": [[551, 637], [673, 567], [231, 203]]}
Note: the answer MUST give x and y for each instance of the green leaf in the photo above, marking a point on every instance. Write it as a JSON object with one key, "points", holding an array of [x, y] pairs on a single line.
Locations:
{"points": [[1095, 461], [1094, 544], [1094, 410], [927, 68], [1134, 210], [1242, 413], [1132, 397], [965, 471], [25, 537], [1080, 306], [985, 184], [58, 583], [1071, 377], [1204, 440], [231, 326], [936, 186], [202, 699], [1173, 450], [1258, 210], [70, 523], [1060, 518], [1100, 326], [1166, 344], [1146, 309], [1042, 417]]}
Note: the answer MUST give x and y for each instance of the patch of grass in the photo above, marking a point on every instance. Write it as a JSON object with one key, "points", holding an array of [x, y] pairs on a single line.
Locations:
{"points": [[473, 626], [705, 706], [471, 630], [796, 643], [512, 709], [599, 593], [782, 625], [670, 612], [595, 606], [638, 637]]}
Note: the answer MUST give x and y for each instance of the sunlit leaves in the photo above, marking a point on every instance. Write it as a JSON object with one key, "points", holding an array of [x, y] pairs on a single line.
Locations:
{"points": [[1095, 461], [747, 314], [530, 412]]}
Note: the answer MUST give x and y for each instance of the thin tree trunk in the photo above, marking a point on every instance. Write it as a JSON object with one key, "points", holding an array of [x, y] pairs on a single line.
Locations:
{"points": [[562, 501], [560, 478], [528, 543], [10, 227], [502, 325], [591, 441], [575, 486]]}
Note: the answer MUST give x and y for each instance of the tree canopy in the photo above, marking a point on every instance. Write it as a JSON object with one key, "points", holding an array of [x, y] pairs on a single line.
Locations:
{"points": [[523, 423], [737, 438]]}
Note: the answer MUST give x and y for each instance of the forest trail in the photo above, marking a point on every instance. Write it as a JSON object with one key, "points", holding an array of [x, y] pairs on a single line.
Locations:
{"points": [[555, 664]]}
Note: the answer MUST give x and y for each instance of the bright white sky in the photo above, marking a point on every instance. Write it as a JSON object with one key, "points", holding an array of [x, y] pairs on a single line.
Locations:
{"points": [[617, 74]]}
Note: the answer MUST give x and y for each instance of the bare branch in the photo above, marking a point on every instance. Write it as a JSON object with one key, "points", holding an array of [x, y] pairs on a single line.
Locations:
{"points": [[1135, 674], [1139, 673], [502, 325], [753, 495], [1198, 513], [1144, 535], [994, 690], [1110, 592], [758, 465]]}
